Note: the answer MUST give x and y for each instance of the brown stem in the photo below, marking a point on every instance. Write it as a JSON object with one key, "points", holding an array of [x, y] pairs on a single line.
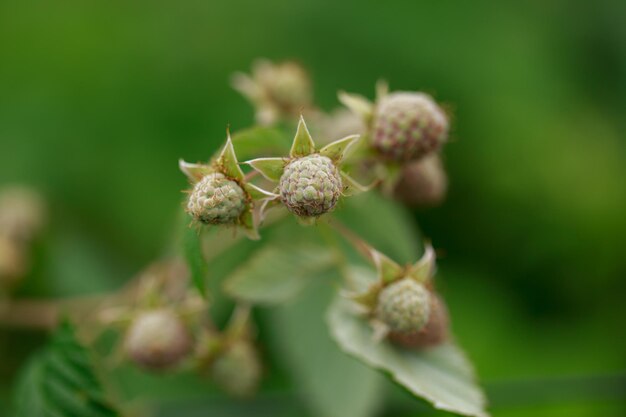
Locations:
{"points": [[250, 175], [44, 314]]}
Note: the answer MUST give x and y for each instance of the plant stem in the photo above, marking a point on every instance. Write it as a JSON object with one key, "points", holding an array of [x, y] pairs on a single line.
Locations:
{"points": [[44, 314]]}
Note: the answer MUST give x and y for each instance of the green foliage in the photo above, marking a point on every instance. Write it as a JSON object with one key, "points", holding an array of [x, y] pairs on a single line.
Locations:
{"points": [[192, 248], [533, 230], [60, 381], [276, 274], [261, 140], [383, 224], [442, 375], [331, 383]]}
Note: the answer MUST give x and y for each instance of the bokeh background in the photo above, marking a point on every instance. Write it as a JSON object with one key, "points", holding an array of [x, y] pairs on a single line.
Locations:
{"points": [[98, 100]]}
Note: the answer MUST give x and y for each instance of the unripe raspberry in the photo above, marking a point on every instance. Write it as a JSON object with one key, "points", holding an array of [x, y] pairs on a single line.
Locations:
{"points": [[21, 214], [404, 306], [310, 186], [435, 332], [157, 339], [408, 126], [278, 91], [238, 369], [286, 84], [423, 182], [215, 199], [12, 263]]}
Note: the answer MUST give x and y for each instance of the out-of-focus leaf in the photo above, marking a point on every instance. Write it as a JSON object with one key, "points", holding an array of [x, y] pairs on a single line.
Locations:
{"points": [[60, 381], [192, 247], [277, 273], [383, 224], [274, 404], [332, 383], [441, 375], [261, 141]]}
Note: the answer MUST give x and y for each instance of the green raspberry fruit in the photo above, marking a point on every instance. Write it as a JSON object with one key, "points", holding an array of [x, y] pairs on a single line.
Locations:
{"points": [[22, 214], [13, 264], [310, 186], [435, 332], [215, 199], [157, 339], [287, 84], [408, 126], [238, 369], [404, 306]]}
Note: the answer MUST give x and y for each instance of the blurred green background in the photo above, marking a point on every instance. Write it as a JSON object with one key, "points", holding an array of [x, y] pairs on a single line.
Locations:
{"points": [[98, 100]]}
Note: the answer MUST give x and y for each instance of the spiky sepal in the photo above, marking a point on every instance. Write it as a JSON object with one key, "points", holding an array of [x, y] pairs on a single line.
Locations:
{"points": [[310, 181], [221, 195]]}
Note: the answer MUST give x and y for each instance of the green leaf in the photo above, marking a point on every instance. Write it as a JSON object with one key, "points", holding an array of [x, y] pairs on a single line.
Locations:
{"points": [[331, 383], [276, 274], [268, 141], [270, 168], [441, 375], [60, 381], [384, 225], [192, 247], [303, 144]]}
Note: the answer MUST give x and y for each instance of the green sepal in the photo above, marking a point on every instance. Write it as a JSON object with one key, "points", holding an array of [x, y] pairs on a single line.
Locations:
{"points": [[195, 172], [249, 225], [382, 89], [227, 161], [265, 205], [270, 168], [353, 187], [257, 193], [357, 104], [368, 298], [388, 270], [339, 148], [424, 269], [303, 144]]}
